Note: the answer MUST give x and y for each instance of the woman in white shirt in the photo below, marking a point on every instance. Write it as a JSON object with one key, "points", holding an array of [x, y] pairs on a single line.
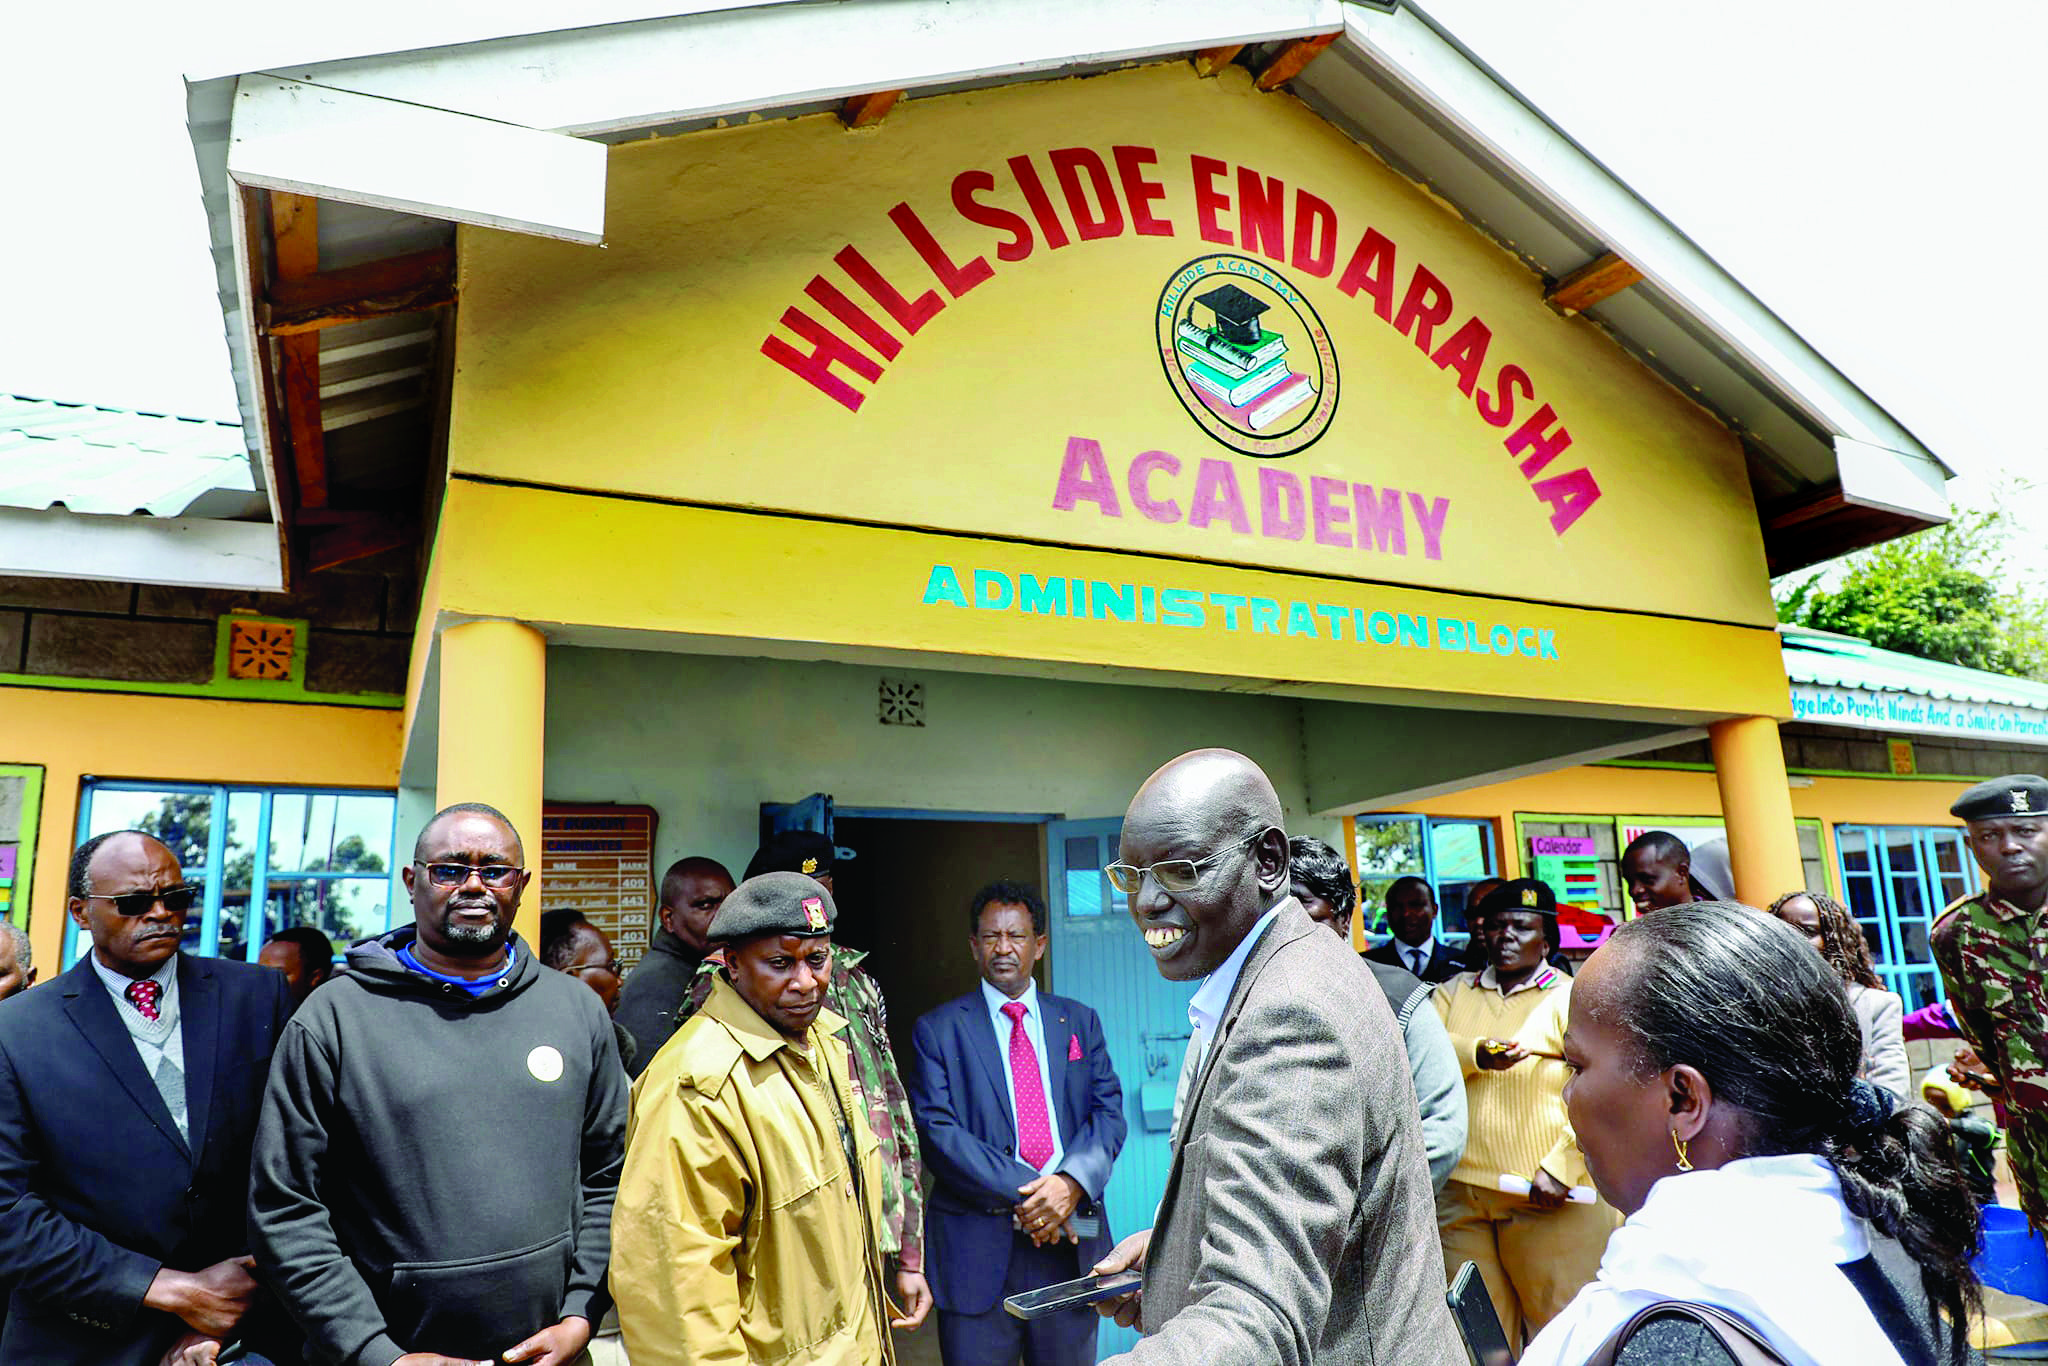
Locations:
{"points": [[1828, 926], [1714, 1093]]}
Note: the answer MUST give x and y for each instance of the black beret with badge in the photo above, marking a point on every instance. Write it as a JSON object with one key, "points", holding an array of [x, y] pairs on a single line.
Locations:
{"points": [[795, 851], [774, 903], [2016, 794], [1523, 894]]}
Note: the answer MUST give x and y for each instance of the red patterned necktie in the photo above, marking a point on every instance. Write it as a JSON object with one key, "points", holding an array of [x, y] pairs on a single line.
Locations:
{"points": [[1034, 1126], [144, 996]]}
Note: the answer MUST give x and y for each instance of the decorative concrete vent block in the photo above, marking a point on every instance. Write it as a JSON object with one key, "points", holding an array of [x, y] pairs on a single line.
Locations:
{"points": [[261, 650], [902, 702]]}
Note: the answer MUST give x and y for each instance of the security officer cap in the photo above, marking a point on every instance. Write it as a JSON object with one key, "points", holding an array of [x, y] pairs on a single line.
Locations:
{"points": [[1523, 894], [2016, 794], [774, 903]]}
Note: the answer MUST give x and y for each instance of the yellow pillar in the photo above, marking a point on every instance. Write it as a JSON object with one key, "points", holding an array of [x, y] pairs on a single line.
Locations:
{"points": [[493, 724], [1756, 802]]}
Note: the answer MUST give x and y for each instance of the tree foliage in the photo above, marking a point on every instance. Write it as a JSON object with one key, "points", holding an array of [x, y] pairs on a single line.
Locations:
{"points": [[1941, 594]]}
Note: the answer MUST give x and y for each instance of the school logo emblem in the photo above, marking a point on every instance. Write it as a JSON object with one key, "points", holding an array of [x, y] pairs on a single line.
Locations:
{"points": [[814, 913], [1247, 356]]}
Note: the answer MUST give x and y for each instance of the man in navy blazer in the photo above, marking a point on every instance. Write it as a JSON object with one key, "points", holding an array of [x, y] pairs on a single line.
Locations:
{"points": [[128, 1096], [1021, 1119], [1411, 916]]}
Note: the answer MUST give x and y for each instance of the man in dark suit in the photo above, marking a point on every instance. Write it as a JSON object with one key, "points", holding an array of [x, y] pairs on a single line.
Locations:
{"points": [[128, 1096], [1298, 1222], [1411, 915], [1021, 1118]]}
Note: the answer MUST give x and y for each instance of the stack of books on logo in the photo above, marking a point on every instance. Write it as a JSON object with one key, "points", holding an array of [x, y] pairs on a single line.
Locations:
{"points": [[1238, 367]]}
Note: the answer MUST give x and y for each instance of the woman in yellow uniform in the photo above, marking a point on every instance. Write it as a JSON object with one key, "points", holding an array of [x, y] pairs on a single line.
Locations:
{"points": [[1519, 1203]]}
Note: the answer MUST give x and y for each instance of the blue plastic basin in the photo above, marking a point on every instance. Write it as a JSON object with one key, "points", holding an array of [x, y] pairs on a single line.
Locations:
{"points": [[2013, 1259]]}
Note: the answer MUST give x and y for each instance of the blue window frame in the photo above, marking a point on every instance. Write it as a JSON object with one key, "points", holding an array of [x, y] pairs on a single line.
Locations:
{"points": [[1897, 879], [1450, 854], [265, 857]]}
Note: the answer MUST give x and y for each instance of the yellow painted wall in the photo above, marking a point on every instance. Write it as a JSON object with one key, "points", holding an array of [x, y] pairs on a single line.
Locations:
{"points": [[1677, 793], [640, 367], [111, 735], [550, 557]]}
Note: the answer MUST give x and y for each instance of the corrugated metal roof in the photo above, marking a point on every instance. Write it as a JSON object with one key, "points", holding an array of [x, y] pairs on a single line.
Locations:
{"points": [[108, 460], [1824, 659]]}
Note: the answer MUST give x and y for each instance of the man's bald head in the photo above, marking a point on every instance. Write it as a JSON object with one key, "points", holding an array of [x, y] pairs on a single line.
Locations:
{"points": [[1217, 810], [1208, 792]]}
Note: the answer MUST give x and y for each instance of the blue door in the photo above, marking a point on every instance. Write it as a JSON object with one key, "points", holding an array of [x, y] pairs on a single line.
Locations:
{"points": [[1098, 959], [812, 813]]}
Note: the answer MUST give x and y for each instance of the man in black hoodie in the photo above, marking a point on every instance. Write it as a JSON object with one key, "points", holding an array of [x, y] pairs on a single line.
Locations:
{"points": [[442, 1132]]}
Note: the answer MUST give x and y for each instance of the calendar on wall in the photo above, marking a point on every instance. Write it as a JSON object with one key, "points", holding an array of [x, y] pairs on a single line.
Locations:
{"points": [[599, 859]]}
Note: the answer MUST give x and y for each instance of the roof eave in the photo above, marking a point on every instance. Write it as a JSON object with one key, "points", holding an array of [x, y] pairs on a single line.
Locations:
{"points": [[619, 80]]}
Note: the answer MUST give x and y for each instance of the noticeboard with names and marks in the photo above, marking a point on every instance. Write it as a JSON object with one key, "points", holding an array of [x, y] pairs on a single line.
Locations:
{"points": [[599, 859]]}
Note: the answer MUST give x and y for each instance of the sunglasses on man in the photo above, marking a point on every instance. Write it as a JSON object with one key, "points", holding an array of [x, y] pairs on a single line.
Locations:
{"points": [[455, 874], [177, 900]]}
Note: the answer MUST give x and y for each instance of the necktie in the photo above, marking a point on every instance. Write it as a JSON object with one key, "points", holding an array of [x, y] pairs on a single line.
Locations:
{"points": [[1034, 1126], [144, 996]]}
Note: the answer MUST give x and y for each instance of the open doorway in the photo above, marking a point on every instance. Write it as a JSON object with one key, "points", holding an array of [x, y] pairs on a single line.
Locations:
{"points": [[904, 898]]}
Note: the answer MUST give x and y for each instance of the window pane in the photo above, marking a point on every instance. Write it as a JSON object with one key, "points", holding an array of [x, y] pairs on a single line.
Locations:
{"points": [[238, 870], [345, 909], [1862, 897], [182, 820], [1458, 851], [1389, 846], [1913, 946], [1085, 882], [1855, 847], [318, 832]]}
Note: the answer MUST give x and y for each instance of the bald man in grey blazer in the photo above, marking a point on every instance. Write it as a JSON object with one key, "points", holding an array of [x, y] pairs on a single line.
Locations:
{"points": [[1298, 1224]]}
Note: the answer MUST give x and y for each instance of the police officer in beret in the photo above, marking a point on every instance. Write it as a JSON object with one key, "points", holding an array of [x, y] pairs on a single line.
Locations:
{"points": [[749, 1215], [1987, 947]]}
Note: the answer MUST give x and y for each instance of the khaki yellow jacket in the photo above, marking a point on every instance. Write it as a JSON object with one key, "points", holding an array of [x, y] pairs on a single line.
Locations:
{"points": [[739, 1234]]}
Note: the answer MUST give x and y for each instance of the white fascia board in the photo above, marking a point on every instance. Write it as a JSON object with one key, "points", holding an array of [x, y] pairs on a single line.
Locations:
{"points": [[1896, 481], [623, 77], [1438, 74], [188, 552], [415, 158]]}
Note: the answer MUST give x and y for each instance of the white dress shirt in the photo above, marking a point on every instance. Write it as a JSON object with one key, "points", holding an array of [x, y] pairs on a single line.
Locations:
{"points": [[155, 1040], [1416, 959], [1034, 1029], [1212, 998]]}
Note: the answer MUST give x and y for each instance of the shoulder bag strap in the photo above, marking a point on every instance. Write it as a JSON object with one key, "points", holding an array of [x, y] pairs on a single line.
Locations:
{"points": [[1738, 1339]]}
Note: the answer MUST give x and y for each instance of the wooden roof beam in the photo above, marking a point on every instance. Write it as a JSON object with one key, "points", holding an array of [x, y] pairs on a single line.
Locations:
{"points": [[1591, 283], [1290, 60], [1211, 60], [375, 289], [865, 111], [294, 256]]}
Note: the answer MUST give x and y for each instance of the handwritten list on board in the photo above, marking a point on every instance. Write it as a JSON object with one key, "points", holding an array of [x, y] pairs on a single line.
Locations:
{"points": [[600, 860]]}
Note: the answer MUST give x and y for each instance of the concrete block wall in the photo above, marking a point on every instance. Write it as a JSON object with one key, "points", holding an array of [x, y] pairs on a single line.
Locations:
{"points": [[359, 632]]}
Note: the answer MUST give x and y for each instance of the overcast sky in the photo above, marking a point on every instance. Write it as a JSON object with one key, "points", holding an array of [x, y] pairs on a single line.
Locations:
{"points": [[1870, 170]]}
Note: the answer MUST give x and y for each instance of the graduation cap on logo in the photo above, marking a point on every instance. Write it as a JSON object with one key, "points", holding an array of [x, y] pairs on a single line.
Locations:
{"points": [[1237, 314]]}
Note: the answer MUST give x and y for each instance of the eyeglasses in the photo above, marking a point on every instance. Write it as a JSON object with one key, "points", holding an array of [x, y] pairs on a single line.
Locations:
{"points": [[177, 900], [455, 874], [1174, 874], [612, 967]]}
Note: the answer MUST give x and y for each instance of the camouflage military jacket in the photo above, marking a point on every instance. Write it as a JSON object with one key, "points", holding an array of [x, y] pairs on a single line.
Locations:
{"points": [[1993, 957], [854, 995]]}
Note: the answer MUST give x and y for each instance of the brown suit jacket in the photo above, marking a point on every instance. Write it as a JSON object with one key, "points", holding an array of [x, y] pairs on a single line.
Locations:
{"points": [[1298, 1223]]}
